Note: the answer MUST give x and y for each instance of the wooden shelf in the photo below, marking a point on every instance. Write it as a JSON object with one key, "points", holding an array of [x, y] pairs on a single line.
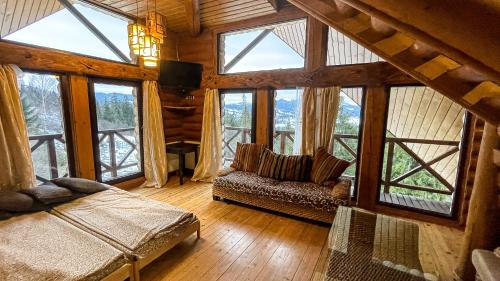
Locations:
{"points": [[179, 108]]}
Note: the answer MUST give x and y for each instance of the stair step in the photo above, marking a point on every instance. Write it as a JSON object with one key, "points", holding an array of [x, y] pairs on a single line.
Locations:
{"points": [[486, 89], [437, 67]]}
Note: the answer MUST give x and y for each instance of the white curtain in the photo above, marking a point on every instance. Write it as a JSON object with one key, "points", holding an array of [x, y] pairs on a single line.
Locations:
{"points": [[211, 139], [16, 166], [319, 113], [155, 157]]}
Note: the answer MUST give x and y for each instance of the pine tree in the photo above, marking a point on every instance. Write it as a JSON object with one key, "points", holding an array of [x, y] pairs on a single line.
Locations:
{"points": [[30, 114]]}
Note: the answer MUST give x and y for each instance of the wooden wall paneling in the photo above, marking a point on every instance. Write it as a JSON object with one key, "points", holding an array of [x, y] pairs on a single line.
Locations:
{"points": [[372, 146], [81, 128], [482, 230], [193, 16], [264, 116], [45, 59]]}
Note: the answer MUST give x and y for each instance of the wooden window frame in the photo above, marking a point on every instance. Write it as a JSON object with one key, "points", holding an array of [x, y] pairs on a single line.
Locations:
{"points": [[65, 103], [94, 126], [453, 215]]}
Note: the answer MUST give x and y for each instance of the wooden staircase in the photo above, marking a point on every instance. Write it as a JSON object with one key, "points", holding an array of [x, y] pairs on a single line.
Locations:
{"points": [[450, 71]]}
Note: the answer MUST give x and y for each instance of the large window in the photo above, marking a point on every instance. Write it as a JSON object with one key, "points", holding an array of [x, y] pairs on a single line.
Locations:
{"points": [[117, 129], [287, 121], [59, 29], [238, 121], [277, 46], [42, 102], [423, 144]]}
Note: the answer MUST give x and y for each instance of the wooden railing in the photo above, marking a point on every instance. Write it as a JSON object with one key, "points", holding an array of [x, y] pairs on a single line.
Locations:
{"points": [[423, 165], [115, 164], [50, 140], [112, 135], [283, 136], [246, 136]]}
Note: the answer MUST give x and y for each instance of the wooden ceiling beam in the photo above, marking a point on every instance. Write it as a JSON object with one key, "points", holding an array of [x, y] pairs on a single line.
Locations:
{"points": [[275, 4], [193, 16]]}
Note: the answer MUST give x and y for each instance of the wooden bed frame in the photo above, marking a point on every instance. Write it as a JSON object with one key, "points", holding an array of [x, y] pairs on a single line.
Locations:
{"points": [[141, 263], [122, 273]]}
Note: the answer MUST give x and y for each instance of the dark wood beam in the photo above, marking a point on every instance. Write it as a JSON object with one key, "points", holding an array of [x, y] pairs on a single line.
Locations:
{"points": [[193, 16], [45, 59], [247, 49], [94, 30], [110, 9], [373, 74], [275, 4]]}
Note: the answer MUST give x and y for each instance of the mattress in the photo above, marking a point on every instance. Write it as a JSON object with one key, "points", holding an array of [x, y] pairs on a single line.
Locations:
{"points": [[134, 224], [41, 246]]}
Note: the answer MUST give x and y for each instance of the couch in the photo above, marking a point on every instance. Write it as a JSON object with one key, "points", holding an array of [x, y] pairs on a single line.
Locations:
{"points": [[302, 199]]}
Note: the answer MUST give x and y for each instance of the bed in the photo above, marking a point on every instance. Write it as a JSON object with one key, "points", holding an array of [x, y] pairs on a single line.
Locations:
{"points": [[41, 246], [142, 228]]}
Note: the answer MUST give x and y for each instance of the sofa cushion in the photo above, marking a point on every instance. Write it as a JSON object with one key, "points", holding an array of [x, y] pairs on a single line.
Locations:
{"points": [[13, 201], [326, 167], [81, 185], [247, 157], [285, 167], [49, 193], [307, 194]]}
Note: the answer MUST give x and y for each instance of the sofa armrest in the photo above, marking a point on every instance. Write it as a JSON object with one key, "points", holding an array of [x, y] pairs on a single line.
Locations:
{"points": [[225, 171], [341, 190]]}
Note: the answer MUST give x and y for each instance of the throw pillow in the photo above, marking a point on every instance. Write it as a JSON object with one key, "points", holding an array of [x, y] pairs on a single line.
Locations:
{"points": [[326, 167], [341, 190], [81, 185], [284, 167], [49, 193], [247, 157], [13, 201]]}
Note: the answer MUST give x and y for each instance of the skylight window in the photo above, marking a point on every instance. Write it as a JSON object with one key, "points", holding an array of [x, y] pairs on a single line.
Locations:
{"points": [[61, 30], [279, 46]]}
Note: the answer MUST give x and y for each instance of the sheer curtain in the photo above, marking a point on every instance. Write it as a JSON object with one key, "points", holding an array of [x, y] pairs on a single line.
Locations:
{"points": [[155, 157], [16, 166], [319, 113], [211, 139]]}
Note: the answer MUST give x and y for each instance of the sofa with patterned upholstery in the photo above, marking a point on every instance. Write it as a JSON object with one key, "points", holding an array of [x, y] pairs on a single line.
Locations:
{"points": [[302, 199]]}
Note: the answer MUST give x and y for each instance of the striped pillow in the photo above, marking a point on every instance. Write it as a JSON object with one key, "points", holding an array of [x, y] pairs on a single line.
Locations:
{"points": [[284, 167], [326, 167], [247, 157]]}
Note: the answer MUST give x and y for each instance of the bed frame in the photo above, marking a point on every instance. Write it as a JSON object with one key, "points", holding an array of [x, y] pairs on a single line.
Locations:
{"points": [[141, 263], [122, 273]]}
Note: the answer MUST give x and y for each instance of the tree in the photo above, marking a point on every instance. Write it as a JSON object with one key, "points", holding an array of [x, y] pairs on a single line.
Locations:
{"points": [[30, 114]]}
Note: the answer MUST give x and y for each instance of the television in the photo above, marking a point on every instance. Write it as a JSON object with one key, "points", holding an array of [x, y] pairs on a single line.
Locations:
{"points": [[180, 75]]}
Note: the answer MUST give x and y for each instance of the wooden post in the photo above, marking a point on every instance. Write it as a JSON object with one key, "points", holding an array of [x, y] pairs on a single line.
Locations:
{"points": [[482, 230], [264, 112], [81, 128], [317, 37], [372, 149]]}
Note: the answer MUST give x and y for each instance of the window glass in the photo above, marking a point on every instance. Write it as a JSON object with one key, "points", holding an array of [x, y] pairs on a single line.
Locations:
{"points": [[287, 121], [237, 113], [343, 50], [422, 150], [279, 46], [118, 133], [43, 113], [61, 30]]}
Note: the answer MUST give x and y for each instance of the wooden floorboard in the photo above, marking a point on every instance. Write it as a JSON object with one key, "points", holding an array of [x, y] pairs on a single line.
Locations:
{"points": [[240, 243], [414, 202]]}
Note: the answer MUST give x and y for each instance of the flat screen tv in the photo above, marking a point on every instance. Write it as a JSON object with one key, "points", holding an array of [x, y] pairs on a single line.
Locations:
{"points": [[180, 75]]}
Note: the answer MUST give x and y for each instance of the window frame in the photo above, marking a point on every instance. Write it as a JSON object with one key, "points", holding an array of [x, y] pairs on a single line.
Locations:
{"points": [[220, 32], [94, 126], [462, 158], [64, 91]]}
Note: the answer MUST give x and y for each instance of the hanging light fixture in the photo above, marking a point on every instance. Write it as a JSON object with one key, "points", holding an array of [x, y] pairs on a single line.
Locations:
{"points": [[152, 38], [136, 33]]}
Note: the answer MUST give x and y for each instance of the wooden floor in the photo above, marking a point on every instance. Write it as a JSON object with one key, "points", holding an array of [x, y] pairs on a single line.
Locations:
{"points": [[240, 243], [417, 203]]}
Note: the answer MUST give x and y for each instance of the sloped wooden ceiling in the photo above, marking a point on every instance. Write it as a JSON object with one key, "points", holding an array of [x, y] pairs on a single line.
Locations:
{"points": [[16, 14], [428, 56]]}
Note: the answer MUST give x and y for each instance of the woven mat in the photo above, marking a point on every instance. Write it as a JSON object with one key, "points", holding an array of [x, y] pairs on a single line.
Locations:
{"points": [[365, 246]]}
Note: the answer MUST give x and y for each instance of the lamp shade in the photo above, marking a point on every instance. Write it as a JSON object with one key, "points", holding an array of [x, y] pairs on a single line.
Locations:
{"points": [[150, 50], [136, 33]]}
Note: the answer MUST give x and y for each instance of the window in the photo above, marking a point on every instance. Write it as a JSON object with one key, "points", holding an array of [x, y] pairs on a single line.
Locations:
{"points": [[348, 130], [278, 46], [287, 121], [238, 121], [423, 144], [42, 102], [117, 129], [61, 30], [342, 50]]}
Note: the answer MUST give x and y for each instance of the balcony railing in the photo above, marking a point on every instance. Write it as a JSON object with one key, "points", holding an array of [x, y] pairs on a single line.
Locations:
{"points": [[109, 136], [233, 135]]}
